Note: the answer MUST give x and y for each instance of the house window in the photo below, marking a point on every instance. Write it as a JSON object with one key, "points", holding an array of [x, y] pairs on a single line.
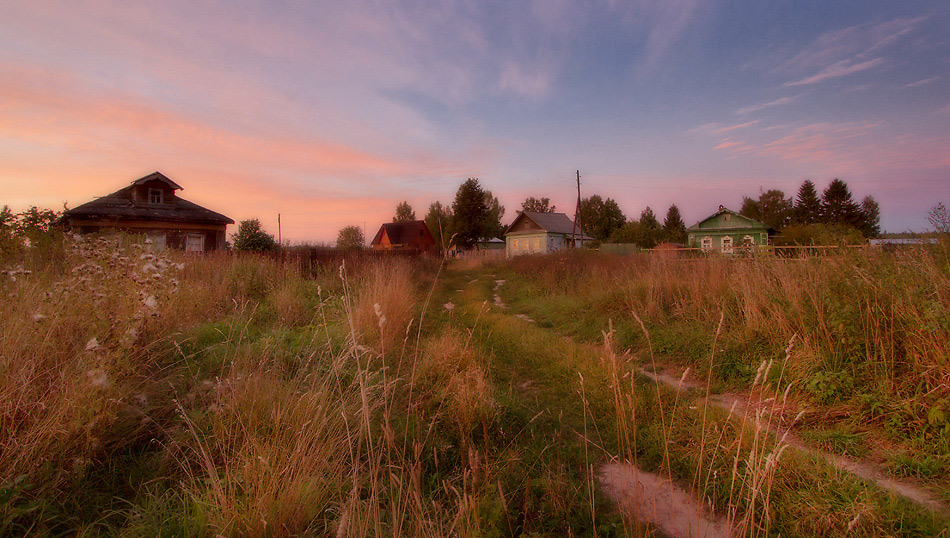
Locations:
{"points": [[727, 217], [727, 245], [155, 196], [158, 240], [707, 243], [537, 243], [195, 243], [748, 241]]}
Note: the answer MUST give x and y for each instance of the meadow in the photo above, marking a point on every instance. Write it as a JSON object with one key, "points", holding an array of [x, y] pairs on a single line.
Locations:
{"points": [[149, 393]]}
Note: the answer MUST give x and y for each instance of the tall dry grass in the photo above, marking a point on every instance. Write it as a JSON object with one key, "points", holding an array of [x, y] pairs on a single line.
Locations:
{"points": [[880, 320], [228, 395]]}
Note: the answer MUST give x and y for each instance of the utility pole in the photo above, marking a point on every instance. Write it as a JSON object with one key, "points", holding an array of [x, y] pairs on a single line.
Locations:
{"points": [[278, 230], [577, 214]]}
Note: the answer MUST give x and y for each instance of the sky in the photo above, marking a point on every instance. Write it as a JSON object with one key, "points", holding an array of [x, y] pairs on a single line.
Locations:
{"points": [[330, 113]]}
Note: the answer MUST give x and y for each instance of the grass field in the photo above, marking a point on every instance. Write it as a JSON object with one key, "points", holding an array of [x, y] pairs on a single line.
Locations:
{"points": [[153, 394]]}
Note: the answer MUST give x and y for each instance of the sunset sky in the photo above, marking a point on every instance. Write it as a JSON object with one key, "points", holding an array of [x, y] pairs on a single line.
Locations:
{"points": [[330, 113]]}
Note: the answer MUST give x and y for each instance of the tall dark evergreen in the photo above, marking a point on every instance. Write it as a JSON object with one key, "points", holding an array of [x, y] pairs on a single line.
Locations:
{"points": [[870, 217], [469, 213], [838, 207], [673, 226], [807, 205]]}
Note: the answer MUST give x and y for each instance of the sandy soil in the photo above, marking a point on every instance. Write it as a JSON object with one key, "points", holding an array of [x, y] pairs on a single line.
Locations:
{"points": [[654, 499]]}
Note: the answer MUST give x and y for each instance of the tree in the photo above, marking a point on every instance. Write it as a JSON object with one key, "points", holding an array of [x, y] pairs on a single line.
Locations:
{"points": [[350, 238], [772, 209], [939, 218], [644, 236], [600, 218], [838, 207], [538, 205], [819, 234], [673, 226], [648, 219], [870, 217], [404, 212], [493, 226], [251, 237], [9, 242], [439, 220], [469, 213], [807, 205]]}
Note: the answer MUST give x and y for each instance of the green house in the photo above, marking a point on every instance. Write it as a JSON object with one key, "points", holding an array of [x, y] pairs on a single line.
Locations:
{"points": [[727, 231]]}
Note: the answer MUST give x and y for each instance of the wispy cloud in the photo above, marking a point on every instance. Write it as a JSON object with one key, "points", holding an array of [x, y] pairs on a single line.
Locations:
{"points": [[838, 69], [922, 82], [755, 108], [718, 128], [847, 51]]}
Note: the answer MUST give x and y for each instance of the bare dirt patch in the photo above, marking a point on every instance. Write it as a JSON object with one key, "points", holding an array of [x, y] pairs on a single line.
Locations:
{"points": [[651, 498]]}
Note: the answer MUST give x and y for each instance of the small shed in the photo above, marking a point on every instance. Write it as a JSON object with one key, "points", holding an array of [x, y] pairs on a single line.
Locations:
{"points": [[725, 230], [151, 206], [541, 233], [410, 235]]}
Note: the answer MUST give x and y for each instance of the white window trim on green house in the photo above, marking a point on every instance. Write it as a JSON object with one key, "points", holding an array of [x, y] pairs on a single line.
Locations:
{"points": [[726, 232]]}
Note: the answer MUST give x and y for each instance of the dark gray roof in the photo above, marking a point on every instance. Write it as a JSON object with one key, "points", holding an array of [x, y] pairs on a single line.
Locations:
{"points": [[402, 233], [558, 223], [120, 205], [157, 176]]}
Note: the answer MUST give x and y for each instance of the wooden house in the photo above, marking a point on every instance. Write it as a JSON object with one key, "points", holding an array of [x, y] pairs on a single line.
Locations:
{"points": [[726, 231], [412, 236], [541, 233], [151, 206]]}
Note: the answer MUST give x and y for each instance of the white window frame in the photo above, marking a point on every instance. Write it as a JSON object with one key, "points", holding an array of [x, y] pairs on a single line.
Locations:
{"points": [[159, 240], [156, 196], [189, 243], [727, 244], [748, 241], [706, 243]]}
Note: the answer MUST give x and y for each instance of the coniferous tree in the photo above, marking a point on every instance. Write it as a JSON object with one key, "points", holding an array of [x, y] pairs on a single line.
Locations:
{"points": [[807, 205], [870, 217], [838, 207], [673, 226], [470, 213]]}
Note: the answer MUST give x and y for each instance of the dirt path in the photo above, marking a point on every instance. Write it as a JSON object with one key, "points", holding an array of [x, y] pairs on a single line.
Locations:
{"points": [[652, 498], [738, 406]]}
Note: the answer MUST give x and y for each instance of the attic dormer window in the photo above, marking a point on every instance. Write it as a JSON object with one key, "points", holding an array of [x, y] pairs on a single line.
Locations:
{"points": [[155, 196]]}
